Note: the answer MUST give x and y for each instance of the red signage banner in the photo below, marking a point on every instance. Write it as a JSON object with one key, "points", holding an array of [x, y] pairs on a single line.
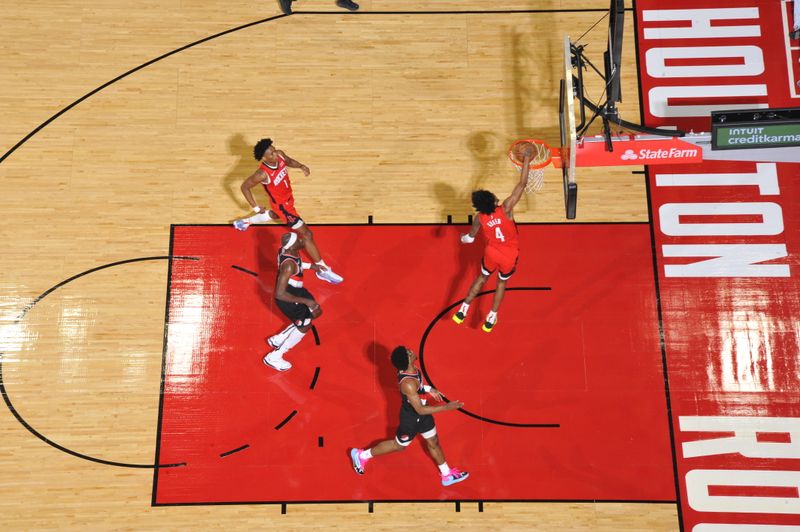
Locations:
{"points": [[632, 151], [727, 236]]}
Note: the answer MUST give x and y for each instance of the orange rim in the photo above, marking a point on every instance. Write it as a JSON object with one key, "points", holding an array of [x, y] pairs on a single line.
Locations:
{"points": [[540, 164]]}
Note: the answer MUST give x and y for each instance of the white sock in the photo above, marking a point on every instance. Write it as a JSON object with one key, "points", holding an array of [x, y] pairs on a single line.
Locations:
{"points": [[294, 337], [366, 454], [491, 317], [464, 308], [321, 262], [258, 218], [279, 338], [444, 469]]}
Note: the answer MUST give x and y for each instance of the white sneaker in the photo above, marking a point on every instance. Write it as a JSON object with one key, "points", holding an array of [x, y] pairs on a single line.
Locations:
{"points": [[276, 361], [330, 276]]}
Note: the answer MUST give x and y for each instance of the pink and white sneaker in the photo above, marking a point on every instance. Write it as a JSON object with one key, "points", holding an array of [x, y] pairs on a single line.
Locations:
{"points": [[358, 463], [454, 477]]}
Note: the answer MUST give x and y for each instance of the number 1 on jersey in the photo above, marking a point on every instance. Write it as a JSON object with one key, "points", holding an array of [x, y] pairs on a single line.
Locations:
{"points": [[498, 234]]}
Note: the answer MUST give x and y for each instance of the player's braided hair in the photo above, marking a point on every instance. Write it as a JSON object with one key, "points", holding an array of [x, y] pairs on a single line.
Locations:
{"points": [[484, 201], [261, 147], [400, 357]]}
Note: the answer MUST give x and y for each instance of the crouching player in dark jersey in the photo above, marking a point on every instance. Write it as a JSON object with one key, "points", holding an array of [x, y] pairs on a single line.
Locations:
{"points": [[502, 245], [295, 302], [415, 418]]}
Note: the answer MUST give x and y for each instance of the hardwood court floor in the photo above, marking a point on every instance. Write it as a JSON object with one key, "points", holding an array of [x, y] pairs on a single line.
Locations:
{"points": [[399, 116]]}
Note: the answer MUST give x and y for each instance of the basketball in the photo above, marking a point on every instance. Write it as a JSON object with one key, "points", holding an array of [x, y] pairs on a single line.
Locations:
{"points": [[522, 149]]}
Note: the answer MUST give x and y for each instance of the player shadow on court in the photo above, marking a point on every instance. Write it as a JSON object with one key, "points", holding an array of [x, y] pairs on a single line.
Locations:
{"points": [[268, 243], [530, 92], [468, 254], [379, 355], [244, 166]]}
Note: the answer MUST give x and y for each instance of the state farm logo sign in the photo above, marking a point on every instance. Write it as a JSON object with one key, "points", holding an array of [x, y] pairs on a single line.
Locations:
{"points": [[660, 154], [630, 151]]}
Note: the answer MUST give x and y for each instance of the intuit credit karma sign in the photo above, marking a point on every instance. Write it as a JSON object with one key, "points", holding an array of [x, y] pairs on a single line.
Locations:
{"points": [[727, 236]]}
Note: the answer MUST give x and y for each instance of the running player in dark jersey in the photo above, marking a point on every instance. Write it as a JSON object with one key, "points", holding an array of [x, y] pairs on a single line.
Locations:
{"points": [[273, 175], [502, 245], [293, 300], [415, 418]]}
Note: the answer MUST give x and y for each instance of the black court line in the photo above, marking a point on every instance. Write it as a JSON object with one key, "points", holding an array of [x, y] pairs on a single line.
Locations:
{"points": [[283, 508], [314, 380], [320, 441], [9, 403], [280, 425], [458, 506], [464, 410], [480, 506], [434, 501], [128, 73], [245, 270], [462, 12], [315, 333], [657, 286], [228, 453], [410, 224]]}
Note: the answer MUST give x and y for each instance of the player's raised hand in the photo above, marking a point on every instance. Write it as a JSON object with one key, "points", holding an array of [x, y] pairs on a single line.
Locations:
{"points": [[306, 171], [435, 394]]}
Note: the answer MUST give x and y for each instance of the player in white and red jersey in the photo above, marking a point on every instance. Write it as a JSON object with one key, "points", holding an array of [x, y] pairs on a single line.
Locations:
{"points": [[294, 300], [502, 245], [416, 417], [273, 175]]}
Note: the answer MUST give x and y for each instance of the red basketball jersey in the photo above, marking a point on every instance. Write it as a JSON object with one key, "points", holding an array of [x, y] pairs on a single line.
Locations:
{"points": [[277, 184], [500, 230]]}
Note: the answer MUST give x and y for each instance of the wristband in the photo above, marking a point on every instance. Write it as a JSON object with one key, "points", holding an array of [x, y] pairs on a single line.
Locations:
{"points": [[426, 388], [306, 265], [466, 239], [257, 208]]}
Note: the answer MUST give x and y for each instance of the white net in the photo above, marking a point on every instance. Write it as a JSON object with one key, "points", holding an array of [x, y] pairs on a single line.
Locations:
{"points": [[541, 156], [535, 180]]}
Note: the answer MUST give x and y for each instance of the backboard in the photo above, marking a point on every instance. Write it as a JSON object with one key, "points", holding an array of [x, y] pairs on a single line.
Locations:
{"points": [[566, 115]]}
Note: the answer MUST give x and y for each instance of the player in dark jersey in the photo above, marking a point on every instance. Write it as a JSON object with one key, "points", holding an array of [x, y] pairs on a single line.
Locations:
{"points": [[502, 245], [273, 175], [293, 300], [415, 418]]}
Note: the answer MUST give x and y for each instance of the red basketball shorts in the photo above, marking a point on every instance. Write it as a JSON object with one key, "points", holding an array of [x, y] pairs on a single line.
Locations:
{"points": [[287, 213], [502, 259]]}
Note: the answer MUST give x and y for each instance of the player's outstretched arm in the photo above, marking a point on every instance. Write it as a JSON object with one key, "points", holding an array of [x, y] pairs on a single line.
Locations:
{"points": [[257, 177], [291, 163], [511, 201], [409, 389]]}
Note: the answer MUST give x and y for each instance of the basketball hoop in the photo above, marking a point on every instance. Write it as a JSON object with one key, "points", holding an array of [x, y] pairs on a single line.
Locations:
{"points": [[542, 156]]}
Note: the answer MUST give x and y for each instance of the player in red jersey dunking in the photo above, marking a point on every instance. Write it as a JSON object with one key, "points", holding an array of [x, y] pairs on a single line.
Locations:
{"points": [[273, 175], [502, 244]]}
